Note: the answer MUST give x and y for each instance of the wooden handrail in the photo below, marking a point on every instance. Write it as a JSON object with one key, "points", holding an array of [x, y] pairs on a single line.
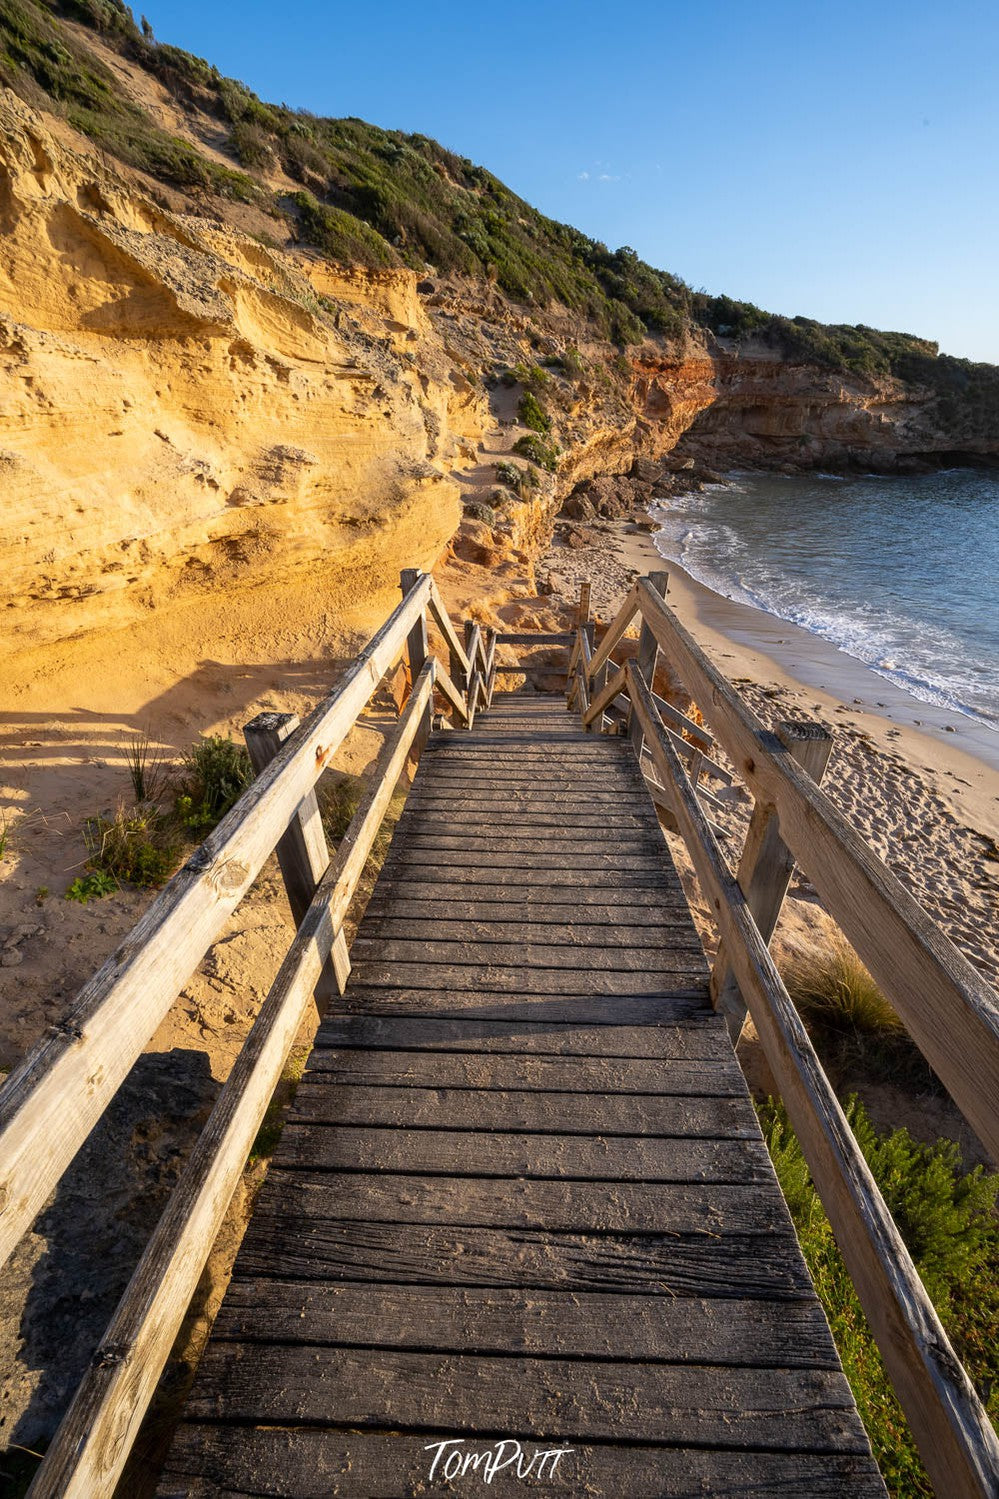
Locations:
{"points": [[944, 1002], [952, 1430], [615, 631], [50, 1103], [455, 647], [91, 1446]]}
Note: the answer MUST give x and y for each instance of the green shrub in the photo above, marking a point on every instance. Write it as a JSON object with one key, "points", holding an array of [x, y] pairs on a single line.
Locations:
{"points": [[544, 454], [137, 845], [479, 510], [533, 414], [214, 776], [947, 1218]]}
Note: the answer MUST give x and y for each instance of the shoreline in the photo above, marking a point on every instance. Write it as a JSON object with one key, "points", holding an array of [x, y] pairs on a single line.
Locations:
{"points": [[750, 643]]}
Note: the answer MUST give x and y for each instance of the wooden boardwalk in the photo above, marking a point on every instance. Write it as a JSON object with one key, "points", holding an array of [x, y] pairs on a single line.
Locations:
{"points": [[522, 1195]]}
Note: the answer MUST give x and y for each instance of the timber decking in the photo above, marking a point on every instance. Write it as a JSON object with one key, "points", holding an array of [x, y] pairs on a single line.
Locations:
{"points": [[522, 1192]]}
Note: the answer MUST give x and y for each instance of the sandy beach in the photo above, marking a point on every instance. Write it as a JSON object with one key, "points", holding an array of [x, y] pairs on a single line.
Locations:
{"points": [[926, 798]]}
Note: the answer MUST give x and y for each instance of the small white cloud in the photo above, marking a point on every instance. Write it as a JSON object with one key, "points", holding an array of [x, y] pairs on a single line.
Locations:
{"points": [[583, 177], [608, 177]]}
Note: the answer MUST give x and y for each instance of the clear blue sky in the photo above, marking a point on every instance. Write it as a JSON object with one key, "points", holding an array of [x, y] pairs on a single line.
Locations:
{"points": [[838, 160]]}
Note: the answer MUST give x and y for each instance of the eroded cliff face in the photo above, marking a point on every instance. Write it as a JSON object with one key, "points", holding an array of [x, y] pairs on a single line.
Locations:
{"points": [[773, 413], [188, 417]]}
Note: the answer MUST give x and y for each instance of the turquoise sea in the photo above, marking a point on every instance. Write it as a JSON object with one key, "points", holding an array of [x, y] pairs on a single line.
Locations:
{"points": [[900, 573]]}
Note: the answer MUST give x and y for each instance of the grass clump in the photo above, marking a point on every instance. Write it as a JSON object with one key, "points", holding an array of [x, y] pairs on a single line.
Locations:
{"points": [[214, 775], [947, 1218], [138, 845], [533, 447], [852, 1023]]}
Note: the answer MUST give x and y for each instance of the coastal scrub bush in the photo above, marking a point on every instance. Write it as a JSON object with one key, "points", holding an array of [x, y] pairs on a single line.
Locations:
{"points": [[533, 414], [513, 476], [544, 454], [214, 775], [947, 1218], [252, 145]]}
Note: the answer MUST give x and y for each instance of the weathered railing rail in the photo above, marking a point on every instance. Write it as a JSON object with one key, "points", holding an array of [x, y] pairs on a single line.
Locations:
{"points": [[948, 1008], [49, 1105]]}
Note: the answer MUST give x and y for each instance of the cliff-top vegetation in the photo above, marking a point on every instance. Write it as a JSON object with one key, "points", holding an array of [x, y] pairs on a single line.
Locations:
{"points": [[376, 197]]}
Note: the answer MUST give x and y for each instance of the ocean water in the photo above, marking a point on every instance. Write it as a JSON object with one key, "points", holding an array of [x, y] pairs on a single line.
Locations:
{"points": [[901, 573]]}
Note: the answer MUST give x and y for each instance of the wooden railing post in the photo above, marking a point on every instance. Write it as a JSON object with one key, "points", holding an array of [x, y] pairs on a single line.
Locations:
{"points": [[417, 648], [583, 607], [767, 864], [302, 851], [417, 651], [645, 660]]}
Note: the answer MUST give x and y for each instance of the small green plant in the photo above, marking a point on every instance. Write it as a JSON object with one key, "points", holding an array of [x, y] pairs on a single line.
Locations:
{"points": [[947, 1218], [532, 447], [6, 825], [533, 414], [214, 775], [41, 895], [92, 886], [138, 845]]}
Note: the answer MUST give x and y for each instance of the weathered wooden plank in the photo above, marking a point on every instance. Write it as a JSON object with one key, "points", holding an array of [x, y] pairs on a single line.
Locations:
{"points": [[956, 1440], [660, 978], [534, 637], [701, 1038], [535, 901], [556, 845], [724, 1407], [552, 1206], [487, 1004], [385, 925], [664, 957], [768, 1266], [209, 1461], [492, 1153], [431, 811], [673, 1330], [552, 1075], [509, 877], [86, 1058], [604, 1114], [597, 860]]}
